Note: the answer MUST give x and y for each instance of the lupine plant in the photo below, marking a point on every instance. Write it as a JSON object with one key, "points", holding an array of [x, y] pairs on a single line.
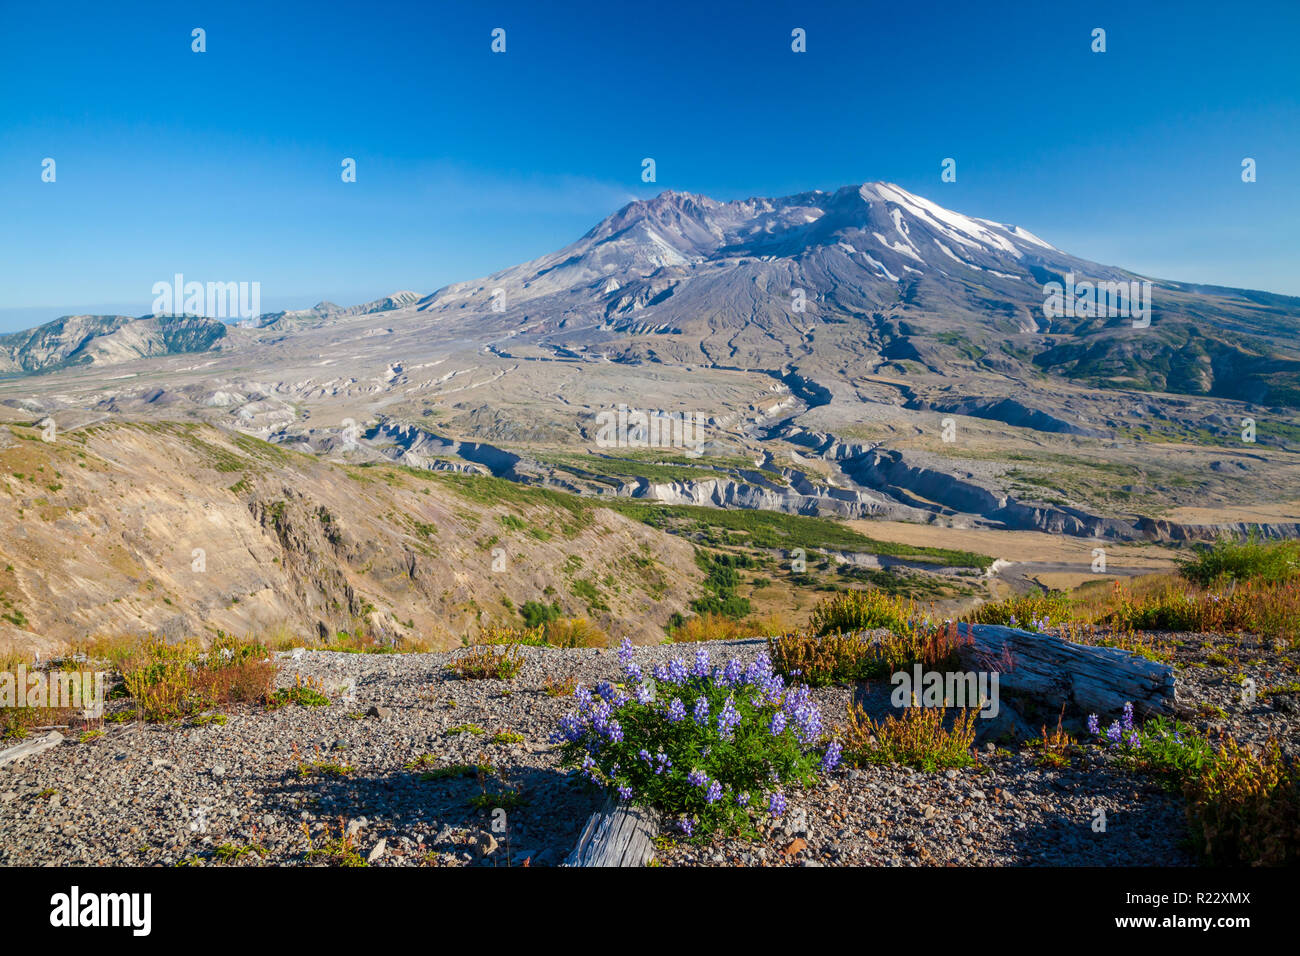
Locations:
{"points": [[709, 746], [1161, 746]]}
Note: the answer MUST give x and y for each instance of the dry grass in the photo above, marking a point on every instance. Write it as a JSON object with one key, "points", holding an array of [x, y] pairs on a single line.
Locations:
{"points": [[560, 688], [174, 681], [1244, 807], [487, 662], [718, 627], [1055, 747], [817, 660], [920, 737], [574, 632]]}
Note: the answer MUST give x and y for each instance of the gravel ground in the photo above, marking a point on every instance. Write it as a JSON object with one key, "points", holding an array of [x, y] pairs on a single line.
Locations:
{"points": [[164, 795]]}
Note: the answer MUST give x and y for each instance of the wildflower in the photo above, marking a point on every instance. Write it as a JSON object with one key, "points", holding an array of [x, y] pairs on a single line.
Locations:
{"points": [[742, 800], [697, 778], [714, 793], [701, 668], [831, 759], [687, 826], [701, 711], [778, 724], [676, 712], [627, 658], [776, 805], [1094, 725], [676, 671], [1128, 715], [728, 719], [625, 793]]}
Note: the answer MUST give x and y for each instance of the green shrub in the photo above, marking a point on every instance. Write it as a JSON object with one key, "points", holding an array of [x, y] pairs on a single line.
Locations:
{"points": [[921, 737], [1272, 562], [860, 611], [707, 751], [1244, 809]]}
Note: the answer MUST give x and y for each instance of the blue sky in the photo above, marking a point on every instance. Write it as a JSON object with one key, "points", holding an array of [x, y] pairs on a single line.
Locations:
{"points": [[225, 165]]}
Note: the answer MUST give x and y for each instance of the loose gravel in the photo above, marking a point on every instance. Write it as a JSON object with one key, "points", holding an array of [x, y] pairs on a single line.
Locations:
{"points": [[271, 787]]}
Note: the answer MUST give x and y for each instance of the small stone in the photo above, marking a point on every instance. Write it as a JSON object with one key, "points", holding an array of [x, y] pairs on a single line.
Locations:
{"points": [[357, 825], [383, 713], [796, 846], [378, 850], [218, 772], [485, 844]]}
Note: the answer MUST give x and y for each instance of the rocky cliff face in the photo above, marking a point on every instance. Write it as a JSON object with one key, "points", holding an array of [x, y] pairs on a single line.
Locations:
{"points": [[183, 530]]}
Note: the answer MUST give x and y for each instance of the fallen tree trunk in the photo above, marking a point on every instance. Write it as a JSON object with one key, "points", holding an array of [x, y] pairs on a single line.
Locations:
{"points": [[616, 835], [29, 747], [1057, 673]]}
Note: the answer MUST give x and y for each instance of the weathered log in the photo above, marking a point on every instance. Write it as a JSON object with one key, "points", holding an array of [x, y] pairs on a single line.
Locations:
{"points": [[29, 747], [1057, 673], [616, 835]]}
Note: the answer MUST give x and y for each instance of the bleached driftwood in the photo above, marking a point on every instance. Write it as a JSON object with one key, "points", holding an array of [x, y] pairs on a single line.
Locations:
{"points": [[29, 747], [1058, 673], [616, 835]]}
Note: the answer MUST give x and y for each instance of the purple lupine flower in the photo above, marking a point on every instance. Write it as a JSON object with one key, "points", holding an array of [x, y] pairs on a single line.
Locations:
{"points": [[778, 724], [831, 759], [733, 672], [1128, 715], [714, 793], [660, 673], [1133, 739], [1094, 725], [627, 658], [701, 711], [664, 762], [743, 799], [605, 690], [1113, 732], [760, 670], [697, 778], [776, 805], [677, 671], [644, 755], [701, 668], [728, 719], [687, 826], [676, 711], [570, 729], [804, 714]]}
